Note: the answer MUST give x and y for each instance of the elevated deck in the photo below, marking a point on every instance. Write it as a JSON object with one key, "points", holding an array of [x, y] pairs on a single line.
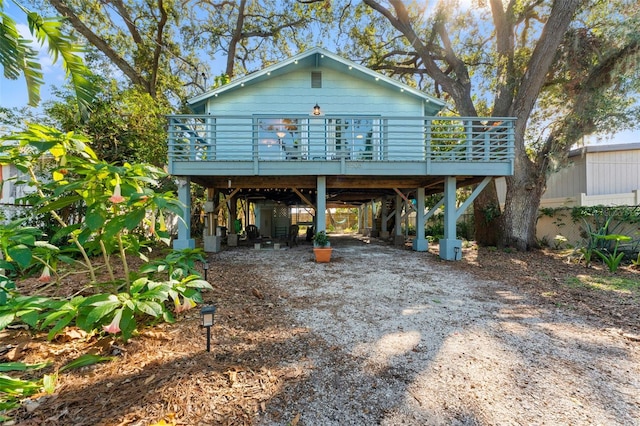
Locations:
{"points": [[206, 147]]}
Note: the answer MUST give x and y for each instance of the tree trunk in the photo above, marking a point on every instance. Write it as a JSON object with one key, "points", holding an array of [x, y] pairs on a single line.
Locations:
{"points": [[486, 213], [520, 217]]}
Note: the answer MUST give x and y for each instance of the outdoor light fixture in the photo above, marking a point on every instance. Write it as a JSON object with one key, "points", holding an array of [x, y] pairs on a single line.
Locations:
{"points": [[205, 268], [206, 314], [316, 109]]}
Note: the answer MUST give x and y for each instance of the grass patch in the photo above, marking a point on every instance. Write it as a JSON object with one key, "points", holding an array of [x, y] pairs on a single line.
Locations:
{"points": [[625, 285]]}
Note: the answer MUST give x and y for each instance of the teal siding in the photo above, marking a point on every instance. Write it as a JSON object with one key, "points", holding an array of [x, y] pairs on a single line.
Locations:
{"points": [[341, 93]]}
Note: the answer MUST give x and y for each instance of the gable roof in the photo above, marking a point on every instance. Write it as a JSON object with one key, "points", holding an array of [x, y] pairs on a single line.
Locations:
{"points": [[316, 57]]}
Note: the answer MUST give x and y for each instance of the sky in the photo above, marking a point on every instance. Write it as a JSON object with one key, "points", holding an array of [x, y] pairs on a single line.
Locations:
{"points": [[13, 93]]}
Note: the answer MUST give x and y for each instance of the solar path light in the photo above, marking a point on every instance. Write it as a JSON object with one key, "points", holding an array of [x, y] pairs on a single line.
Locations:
{"points": [[206, 314]]}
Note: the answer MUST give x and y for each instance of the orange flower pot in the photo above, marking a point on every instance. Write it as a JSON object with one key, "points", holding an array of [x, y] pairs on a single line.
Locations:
{"points": [[323, 254]]}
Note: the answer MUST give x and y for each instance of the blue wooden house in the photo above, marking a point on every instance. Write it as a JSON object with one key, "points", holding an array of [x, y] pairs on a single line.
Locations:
{"points": [[317, 130]]}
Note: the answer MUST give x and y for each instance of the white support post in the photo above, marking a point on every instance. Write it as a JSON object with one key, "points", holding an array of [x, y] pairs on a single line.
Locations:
{"points": [[420, 243]]}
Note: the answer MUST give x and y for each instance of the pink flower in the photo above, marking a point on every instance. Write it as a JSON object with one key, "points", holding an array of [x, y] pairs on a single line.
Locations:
{"points": [[114, 326], [186, 305], [117, 196], [46, 275]]}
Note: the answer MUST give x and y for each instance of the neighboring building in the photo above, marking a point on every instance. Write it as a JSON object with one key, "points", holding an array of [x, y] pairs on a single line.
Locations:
{"points": [[607, 175], [597, 175], [11, 191], [318, 131]]}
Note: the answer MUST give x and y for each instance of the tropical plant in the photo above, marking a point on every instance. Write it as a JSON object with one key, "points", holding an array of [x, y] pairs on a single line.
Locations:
{"points": [[116, 200], [12, 389], [16, 244], [120, 211], [120, 313], [612, 259], [17, 57], [177, 264], [321, 239]]}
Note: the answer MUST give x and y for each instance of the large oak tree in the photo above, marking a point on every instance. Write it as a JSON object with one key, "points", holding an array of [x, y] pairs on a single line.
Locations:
{"points": [[556, 66]]}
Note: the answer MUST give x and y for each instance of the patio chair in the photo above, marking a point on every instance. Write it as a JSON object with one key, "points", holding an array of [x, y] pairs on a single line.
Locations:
{"points": [[252, 232], [293, 235]]}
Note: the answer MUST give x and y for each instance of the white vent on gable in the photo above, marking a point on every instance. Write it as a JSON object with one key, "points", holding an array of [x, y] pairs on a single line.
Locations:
{"points": [[316, 80]]}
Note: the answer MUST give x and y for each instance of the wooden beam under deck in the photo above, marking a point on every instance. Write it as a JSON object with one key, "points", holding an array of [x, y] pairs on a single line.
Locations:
{"points": [[346, 189]]}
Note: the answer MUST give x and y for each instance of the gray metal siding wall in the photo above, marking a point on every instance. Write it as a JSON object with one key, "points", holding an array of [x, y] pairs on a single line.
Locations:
{"points": [[613, 172], [568, 181]]}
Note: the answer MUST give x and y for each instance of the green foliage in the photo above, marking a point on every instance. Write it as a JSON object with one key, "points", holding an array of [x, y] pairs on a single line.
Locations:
{"points": [[83, 361], [145, 301], [121, 313], [600, 224], [126, 126], [321, 239], [26, 309], [12, 389], [121, 209], [18, 57], [177, 264], [17, 242], [117, 201], [559, 241], [490, 213], [435, 230], [612, 259]]}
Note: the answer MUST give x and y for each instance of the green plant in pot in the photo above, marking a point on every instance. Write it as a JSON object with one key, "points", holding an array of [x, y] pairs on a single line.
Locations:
{"points": [[321, 247], [321, 239]]}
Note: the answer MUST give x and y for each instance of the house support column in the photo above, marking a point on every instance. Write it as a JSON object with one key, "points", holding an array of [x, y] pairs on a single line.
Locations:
{"points": [[184, 240], [384, 214], [321, 203], [420, 243], [232, 233], [364, 229], [450, 246], [374, 225], [399, 237]]}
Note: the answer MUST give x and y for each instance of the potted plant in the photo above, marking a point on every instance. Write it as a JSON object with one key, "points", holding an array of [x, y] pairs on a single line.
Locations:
{"points": [[322, 247]]}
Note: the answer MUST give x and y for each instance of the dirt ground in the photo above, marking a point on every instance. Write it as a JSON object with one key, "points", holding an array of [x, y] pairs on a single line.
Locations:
{"points": [[380, 336]]}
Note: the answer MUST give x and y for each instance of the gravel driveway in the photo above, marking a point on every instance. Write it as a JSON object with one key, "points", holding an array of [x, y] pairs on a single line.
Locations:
{"points": [[403, 338]]}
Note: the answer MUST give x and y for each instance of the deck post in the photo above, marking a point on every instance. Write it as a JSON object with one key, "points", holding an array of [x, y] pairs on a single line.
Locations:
{"points": [[420, 243], [321, 203], [398, 236], [374, 212], [184, 240], [450, 246], [384, 213]]}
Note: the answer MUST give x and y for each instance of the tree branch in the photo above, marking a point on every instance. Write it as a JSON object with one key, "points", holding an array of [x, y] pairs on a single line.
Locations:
{"points": [[101, 44]]}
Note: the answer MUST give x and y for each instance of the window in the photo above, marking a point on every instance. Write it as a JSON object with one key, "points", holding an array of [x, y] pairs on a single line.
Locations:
{"points": [[355, 138], [316, 80], [280, 138]]}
